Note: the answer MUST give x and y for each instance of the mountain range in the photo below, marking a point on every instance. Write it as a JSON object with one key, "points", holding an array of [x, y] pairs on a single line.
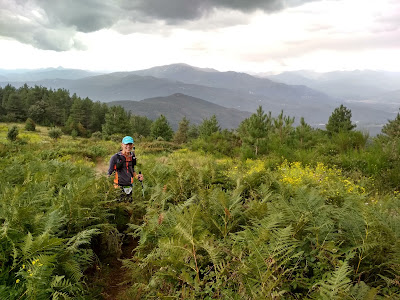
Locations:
{"points": [[177, 106], [348, 85], [41, 74], [372, 96]]}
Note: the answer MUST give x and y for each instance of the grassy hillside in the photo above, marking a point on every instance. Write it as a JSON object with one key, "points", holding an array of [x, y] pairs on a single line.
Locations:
{"points": [[204, 226]]}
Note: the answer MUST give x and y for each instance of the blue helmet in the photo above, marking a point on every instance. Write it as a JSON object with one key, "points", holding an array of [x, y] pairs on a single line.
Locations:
{"points": [[127, 140]]}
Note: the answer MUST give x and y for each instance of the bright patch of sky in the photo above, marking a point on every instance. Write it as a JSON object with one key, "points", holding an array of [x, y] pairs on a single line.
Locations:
{"points": [[320, 35]]}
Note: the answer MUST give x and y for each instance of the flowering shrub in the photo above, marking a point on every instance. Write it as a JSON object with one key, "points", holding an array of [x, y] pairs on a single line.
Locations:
{"points": [[329, 181]]}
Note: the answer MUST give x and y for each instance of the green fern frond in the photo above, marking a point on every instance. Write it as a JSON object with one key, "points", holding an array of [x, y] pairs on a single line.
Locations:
{"points": [[81, 238], [60, 295], [213, 251], [54, 220], [9, 292], [27, 244], [44, 243], [189, 202], [72, 269], [391, 282], [283, 247], [185, 232], [61, 286], [361, 291], [337, 283]]}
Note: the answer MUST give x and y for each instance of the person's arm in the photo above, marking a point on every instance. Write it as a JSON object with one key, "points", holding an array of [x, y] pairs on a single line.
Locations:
{"points": [[111, 167]]}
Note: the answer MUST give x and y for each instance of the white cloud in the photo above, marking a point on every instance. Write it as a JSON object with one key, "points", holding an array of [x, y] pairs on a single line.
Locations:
{"points": [[320, 35]]}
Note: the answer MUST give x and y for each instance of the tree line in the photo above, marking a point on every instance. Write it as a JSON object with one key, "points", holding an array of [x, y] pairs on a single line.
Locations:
{"points": [[256, 135]]}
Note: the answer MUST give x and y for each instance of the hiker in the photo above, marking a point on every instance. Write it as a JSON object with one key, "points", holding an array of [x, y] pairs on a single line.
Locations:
{"points": [[123, 165]]}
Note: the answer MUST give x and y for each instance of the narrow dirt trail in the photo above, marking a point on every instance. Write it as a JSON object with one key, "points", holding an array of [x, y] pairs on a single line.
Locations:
{"points": [[112, 278], [117, 278], [101, 167]]}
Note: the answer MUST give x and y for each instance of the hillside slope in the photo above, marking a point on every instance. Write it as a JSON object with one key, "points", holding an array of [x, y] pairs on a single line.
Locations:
{"points": [[177, 106]]}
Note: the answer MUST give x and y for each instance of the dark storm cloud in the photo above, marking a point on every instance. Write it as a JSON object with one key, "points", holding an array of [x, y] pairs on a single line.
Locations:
{"points": [[53, 24], [180, 10], [85, 16]]}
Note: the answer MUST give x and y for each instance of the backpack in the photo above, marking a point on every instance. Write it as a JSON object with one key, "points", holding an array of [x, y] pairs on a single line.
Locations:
{"points": [[120, 163]]}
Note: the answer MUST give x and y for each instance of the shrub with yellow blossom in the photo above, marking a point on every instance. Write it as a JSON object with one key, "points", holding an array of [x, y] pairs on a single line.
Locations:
{"points": [[330, 181]]}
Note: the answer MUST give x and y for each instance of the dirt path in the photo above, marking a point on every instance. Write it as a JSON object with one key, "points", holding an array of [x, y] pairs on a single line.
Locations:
{"points": [[101, 167], [116, 277], [112, 278]]}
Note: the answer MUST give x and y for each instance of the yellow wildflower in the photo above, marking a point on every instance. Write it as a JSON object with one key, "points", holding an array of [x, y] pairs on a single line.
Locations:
{"points": [[17, 281]]}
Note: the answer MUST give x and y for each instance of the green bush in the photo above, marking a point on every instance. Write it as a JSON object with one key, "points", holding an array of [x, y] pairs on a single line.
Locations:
{"points": [[97, 135], [55, 133], [30, 125], [74, 133], [12, 133]]}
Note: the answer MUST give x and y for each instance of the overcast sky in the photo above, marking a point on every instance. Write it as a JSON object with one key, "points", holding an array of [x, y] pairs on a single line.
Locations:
{"points": [[237, 35]]}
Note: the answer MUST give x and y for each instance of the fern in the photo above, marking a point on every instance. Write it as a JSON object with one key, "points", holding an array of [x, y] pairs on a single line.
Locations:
{"points": [[44, 243], [269, 255], [225, 211], [62, 288], [361, 291], [81, 238], [337, 284]]}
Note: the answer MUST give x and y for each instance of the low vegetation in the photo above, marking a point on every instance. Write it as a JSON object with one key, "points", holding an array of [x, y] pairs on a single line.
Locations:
{"points": [[267, 211]]}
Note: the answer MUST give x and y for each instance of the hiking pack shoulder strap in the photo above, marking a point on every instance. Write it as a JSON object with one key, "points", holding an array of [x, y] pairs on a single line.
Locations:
{"points": [[134, 160]]}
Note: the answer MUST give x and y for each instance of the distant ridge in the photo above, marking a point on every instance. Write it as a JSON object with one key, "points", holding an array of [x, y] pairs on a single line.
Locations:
{"points": [[228, 89], [42, 74], [177, 106], [348, 85], [241, 91]]}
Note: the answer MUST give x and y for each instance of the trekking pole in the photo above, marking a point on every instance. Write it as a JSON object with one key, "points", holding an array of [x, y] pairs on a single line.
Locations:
{"points": [[141, 181]]}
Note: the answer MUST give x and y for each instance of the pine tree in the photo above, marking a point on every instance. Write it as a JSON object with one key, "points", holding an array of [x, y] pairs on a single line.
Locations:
{"points": [[392, 128], [55, 133], [141, 125], [181, 136], [340, 120], [256, 129], [98, 116], [209, 126], [161, 128], [116, 121], [77, 112], [15, 107], [193, 132], [37, 112], [303, 132], [283, 126]]}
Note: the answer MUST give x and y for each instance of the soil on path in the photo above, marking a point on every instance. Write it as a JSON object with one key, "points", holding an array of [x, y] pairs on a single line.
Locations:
{"points": [[110, 278], [117, 278], [101, 167]]}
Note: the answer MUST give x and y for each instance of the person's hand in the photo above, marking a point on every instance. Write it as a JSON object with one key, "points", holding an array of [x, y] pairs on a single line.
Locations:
{"points": [[140, 177]]}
